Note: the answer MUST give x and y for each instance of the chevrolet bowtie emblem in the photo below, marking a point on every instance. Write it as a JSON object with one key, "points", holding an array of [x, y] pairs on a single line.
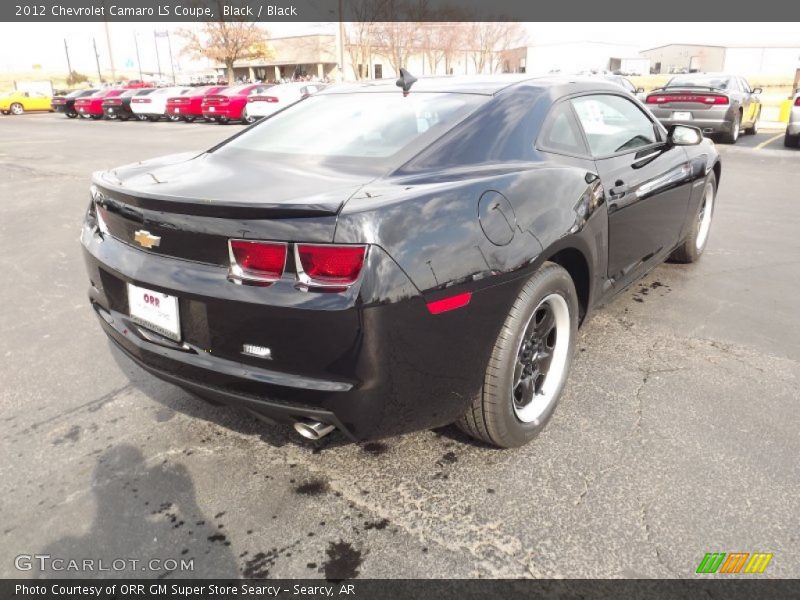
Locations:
{"points": [[145, 239]]}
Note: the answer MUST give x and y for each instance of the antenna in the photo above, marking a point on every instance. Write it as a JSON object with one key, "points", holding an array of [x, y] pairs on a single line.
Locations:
{"points": [[405, 81]]}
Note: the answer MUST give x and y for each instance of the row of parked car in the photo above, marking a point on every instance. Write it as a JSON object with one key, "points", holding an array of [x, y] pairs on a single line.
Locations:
{"points": [[223, 104]]}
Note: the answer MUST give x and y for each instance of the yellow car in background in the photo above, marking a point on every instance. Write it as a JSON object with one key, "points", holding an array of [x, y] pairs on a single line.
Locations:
{"points": [[18, 102]]}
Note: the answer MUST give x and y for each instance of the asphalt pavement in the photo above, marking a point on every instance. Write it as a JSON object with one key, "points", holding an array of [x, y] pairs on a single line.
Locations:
{"points": [[676, 436]]}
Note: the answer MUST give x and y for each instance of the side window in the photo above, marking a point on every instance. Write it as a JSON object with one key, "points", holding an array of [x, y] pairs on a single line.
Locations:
{"points": [[561, 133], [613, 124], [744, 85]]}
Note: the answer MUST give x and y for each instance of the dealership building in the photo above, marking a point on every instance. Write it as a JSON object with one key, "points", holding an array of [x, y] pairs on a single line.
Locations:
{"points": [[744, 60]]}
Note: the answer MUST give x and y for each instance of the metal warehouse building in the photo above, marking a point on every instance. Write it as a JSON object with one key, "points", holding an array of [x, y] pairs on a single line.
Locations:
{"points": [[746, 60]]}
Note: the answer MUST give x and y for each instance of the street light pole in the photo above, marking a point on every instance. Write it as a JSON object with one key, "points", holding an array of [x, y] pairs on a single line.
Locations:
{"points": [[69, 64], [108, 43], [171, 62], [138, 59], [158, 58], [97, 60], [340, 43]]}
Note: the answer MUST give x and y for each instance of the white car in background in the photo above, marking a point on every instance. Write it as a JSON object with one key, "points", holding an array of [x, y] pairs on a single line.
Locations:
{"points": [[154, 106], [792, 137], [277, 98]]}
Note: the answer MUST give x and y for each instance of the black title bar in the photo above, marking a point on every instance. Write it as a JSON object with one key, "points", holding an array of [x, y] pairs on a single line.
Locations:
{"points": [[276, 11], [729, 588]]}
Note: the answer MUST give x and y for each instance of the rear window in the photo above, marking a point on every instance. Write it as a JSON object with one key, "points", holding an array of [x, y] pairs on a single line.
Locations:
{"points": [[370, 128], [233, 91]]}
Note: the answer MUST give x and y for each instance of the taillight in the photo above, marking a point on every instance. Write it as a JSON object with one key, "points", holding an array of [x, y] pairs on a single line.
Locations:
{"points": [[797, 101], [113, 102], [328, 265], [700, 98], [256, 262], [262, 99]]}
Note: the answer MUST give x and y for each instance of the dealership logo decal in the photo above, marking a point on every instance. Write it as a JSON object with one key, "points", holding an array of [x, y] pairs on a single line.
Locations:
{"points": [[734, 562], [145, 239]]}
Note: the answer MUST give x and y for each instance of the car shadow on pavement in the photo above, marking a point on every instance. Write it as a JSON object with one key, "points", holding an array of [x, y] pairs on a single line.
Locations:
{"points": [[146, 513], [230, 417]]}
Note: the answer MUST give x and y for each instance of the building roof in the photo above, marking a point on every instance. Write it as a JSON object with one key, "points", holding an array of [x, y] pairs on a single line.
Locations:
{"points": [[753, 46], [296, 50]]}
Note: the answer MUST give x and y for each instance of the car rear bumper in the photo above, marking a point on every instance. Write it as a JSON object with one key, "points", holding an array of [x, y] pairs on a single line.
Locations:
{"points": [[226, 114], [370, 367], [708, 120]]}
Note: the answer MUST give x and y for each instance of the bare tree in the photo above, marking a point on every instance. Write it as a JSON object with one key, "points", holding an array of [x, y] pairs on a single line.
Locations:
{"points": [[360, 34], [399, 33], [489, 39], [226, 42]]}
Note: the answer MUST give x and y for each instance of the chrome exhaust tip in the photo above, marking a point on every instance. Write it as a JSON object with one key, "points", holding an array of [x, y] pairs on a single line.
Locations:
{"points": [[313, 430]]}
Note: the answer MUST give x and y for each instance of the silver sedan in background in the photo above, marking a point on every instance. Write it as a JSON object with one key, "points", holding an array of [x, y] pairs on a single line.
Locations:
{"points": [[792, 137], [717, 103]]}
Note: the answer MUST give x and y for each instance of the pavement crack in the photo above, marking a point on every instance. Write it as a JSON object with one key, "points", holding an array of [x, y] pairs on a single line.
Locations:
{"points": [[91, 406]]}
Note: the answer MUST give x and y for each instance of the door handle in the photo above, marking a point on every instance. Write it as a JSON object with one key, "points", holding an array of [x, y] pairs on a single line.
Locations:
{"points": [[619, 190]]}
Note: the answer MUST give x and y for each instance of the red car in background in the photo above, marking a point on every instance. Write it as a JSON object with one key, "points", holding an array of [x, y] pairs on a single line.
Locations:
{"points": [[137, 84], [91, 107], [189, 107], [227, 105]]}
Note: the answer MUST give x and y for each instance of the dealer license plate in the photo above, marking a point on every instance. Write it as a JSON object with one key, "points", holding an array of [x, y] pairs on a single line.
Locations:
{"points": [[155, 311]]}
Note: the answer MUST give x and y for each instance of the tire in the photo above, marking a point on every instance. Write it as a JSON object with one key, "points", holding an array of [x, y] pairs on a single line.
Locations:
{"points": [[692, 247], [173, 118], [189, 119], [753, 129], [123, 117], [5, 112], [96, 117], [791, 141], [247, 118], [141, 117], [153, 118], [733, 134], [71, 114], [17, 109], [223, 120], [508, 415]]}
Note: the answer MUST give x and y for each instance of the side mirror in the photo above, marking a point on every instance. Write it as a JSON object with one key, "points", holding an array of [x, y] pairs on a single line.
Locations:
{"points": [[758, 91], [640, 90], [684, 135]]}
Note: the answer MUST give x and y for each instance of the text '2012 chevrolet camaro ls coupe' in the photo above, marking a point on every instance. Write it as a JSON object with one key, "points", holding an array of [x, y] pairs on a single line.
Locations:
{"points": [[380, 260]]}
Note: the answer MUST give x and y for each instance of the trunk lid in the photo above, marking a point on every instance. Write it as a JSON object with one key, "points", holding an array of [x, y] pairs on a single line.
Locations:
{"points": [[196, 203]]}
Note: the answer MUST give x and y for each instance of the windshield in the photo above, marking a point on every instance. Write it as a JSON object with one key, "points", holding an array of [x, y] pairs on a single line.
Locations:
{"points": [[366, 128], [719, 82]]}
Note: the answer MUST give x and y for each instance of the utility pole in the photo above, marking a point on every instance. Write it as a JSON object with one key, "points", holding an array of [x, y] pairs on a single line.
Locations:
{"points": [[69, 64], [138, 59], [97, 60], [158, 58]]}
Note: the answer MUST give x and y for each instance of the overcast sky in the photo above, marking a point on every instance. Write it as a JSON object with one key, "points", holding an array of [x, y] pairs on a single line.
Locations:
{"points": [[23, 45]]}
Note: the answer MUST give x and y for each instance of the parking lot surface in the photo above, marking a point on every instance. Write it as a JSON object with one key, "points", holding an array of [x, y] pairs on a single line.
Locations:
{"points": [[676, 436]]}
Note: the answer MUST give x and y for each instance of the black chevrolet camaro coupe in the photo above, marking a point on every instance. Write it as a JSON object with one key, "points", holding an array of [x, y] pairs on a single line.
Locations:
{"points": [[378, 260]]}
